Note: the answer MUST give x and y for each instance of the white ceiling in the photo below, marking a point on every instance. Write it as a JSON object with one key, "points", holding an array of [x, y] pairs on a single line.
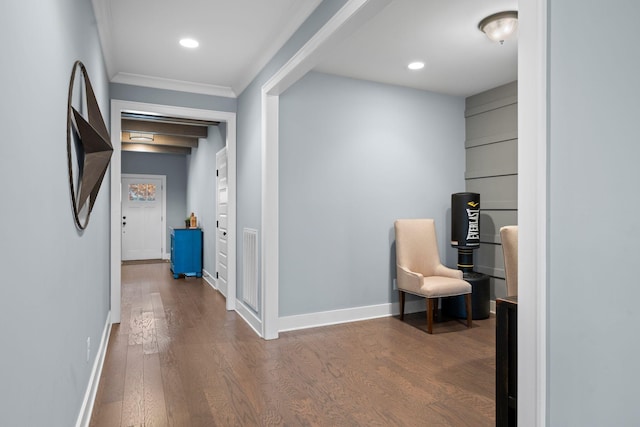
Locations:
{"points": [[238, 37]]}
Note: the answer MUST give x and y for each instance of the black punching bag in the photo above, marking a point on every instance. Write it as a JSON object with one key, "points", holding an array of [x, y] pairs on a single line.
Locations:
{"points": [[465, 220], [465, 227], [465, 235]]}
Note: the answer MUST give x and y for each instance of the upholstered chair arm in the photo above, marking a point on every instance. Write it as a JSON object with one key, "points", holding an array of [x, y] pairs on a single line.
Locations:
{"points": [[443, 270], [409, 281]]}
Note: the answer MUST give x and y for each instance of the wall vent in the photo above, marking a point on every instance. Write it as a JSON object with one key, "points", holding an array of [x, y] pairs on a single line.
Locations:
{"points": [[250, 267]]}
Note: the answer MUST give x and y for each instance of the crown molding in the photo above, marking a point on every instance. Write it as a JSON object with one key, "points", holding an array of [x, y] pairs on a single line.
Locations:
{"points": [[102, 13], [254, 69], [170, 84]]}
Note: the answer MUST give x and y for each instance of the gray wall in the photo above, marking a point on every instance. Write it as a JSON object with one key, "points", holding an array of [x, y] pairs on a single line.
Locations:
{"points": [[593, 235], [492, 171], [55, 279], [201, 190], [248, 154], [354, 157], [174, 166]]}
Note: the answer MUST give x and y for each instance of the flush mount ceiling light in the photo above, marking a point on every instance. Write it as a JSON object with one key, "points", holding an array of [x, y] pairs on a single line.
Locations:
{"points": [[148, 137], [499, 26], [190, 43], [416, 65]]}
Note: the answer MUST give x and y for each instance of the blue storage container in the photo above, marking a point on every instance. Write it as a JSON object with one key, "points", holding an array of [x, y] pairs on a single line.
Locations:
{"points": [[186, 252]]}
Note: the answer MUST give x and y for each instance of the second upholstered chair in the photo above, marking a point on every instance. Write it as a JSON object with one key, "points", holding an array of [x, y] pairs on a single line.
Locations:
{"points": [[509, 238], [420, 271]]}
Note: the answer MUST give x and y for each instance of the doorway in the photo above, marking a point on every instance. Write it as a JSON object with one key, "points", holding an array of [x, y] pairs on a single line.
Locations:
{"points": [[117, 108], [532, 180]]}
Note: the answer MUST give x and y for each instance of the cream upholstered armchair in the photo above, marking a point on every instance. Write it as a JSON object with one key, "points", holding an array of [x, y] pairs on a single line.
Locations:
{"points": [[420, 271], [509, 238]]}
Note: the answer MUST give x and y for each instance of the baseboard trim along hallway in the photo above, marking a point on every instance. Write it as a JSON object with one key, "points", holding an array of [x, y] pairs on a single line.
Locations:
{"points": [[334, 317], [94, 379]]}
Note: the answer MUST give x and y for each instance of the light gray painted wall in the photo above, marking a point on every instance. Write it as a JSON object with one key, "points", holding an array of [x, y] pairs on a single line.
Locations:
{"points": [[491, 155], [354, 157], [593, 154], [55, 279], [248, 154], [171, 97], [174, 166], [201, 190]]}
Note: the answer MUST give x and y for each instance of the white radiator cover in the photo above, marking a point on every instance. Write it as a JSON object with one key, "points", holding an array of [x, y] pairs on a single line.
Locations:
{"points": [[250, 267]]}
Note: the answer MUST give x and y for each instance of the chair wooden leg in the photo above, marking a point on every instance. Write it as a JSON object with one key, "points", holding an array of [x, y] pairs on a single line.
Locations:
{"points": [[430, 315], [401, 305], [467, 300]]}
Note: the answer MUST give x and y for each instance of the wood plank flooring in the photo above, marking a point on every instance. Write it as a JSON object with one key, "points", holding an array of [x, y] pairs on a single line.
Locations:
{"points": [[180, 359]]}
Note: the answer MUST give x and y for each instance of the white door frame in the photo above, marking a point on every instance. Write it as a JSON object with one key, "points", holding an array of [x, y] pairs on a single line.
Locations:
{"points": [[117, 108], [532, 174], [163, 222]]}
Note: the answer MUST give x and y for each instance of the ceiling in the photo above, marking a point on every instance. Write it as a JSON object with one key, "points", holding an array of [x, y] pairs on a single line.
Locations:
{"points": [[238, 37]]}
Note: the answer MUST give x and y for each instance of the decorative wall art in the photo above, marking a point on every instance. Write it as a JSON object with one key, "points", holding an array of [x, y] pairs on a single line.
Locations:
{"points": [[88, 143]]}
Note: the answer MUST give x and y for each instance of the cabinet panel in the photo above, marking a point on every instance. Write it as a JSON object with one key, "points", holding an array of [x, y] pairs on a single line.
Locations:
{"points": [[186, 252]]}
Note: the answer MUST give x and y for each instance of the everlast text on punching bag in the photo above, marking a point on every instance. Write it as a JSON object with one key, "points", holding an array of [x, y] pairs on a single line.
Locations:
{"points": [[465, 220], [465, 235]]}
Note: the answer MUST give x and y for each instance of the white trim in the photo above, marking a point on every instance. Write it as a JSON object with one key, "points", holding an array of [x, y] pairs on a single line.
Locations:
{"points": [[492, 306], [170, 84], [163, 225], [249, 316], [270, 217], [94, 379], [349, 18], [209, 279], [102, 13], [293, 23], [532, 213], [117, 107], [355, 314]]}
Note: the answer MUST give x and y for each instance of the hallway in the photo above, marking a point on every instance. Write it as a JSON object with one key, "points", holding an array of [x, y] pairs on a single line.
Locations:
{"points": [[179, 359]]}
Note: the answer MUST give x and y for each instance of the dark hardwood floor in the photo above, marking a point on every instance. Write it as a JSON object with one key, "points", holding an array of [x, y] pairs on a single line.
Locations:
{"points": [[179, 359]]}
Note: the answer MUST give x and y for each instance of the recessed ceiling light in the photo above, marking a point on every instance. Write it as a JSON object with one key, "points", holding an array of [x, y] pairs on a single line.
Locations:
{"points": [[416, 65], [190, 43]]}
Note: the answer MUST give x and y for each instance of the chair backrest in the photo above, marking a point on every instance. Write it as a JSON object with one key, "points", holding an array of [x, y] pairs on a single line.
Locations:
{"points": [[509, 238], [416, 245]]}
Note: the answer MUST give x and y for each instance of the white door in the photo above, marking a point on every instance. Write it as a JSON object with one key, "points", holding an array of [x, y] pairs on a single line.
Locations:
{"points": [[142, 217], [222, 200]]}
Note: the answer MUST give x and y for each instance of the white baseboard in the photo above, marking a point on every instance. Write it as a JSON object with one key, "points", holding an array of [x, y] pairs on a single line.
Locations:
{"points": [[222, 288], [209, 279], [84, 417], [492, 306], [166, 257], [249, 316], [333, 317]]}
